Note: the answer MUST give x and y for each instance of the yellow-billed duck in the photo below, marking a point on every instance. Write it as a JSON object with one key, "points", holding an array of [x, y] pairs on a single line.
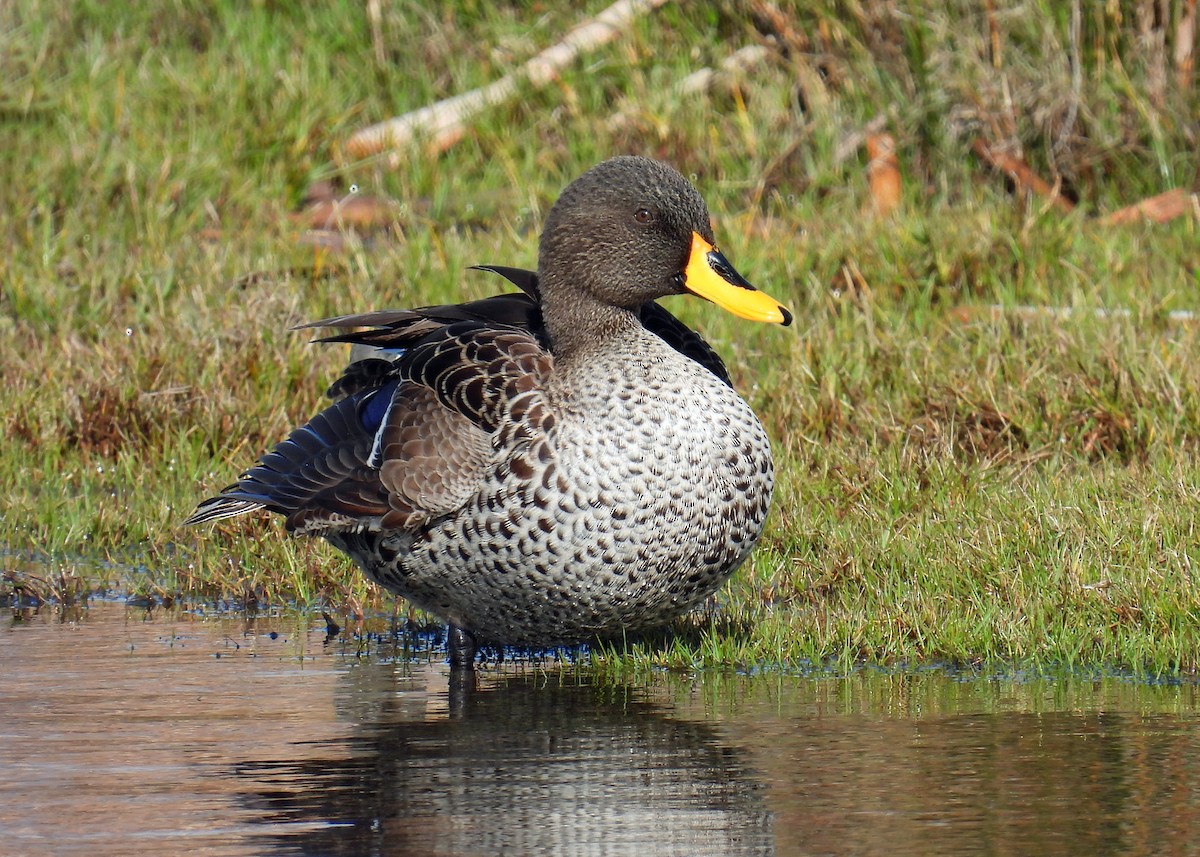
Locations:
{"points": [[548, 467]]}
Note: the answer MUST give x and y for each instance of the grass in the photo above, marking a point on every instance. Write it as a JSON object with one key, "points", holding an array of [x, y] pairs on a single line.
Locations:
{"points": [[956, 485]]}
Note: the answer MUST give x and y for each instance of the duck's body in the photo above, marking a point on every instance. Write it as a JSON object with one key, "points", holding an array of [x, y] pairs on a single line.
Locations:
{"points": [[606, 520], [546, 469]]}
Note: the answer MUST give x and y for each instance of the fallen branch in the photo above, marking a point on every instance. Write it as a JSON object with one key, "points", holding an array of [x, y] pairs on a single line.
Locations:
{"points": [[444, 123], [1020, 172], [1157, 209]]}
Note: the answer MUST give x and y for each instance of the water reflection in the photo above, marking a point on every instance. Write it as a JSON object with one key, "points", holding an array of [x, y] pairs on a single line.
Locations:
{"points": [[1053, 783], [522, 764], [127, 734]]}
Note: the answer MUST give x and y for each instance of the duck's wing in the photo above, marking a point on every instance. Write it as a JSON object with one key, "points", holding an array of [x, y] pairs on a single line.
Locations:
{"points": [[412, 435], [394, 332], [400, 329], [321, 471]]}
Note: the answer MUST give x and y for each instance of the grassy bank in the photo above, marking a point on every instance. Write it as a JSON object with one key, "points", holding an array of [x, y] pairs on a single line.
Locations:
{"points": [[957, 482]]}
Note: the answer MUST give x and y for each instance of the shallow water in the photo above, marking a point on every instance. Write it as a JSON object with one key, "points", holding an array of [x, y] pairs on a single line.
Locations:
{"points": [[122, 734]]}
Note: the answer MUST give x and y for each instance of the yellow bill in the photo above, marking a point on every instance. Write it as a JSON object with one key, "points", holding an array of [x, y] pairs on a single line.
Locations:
{"points": [[709, 275]]}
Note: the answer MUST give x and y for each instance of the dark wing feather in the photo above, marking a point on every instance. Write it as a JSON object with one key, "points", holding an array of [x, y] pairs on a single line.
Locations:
{"points": [[430, 458], [397, 329], [479, 371], [402, 328], [361, 375], [322, 467], [526, 281]]}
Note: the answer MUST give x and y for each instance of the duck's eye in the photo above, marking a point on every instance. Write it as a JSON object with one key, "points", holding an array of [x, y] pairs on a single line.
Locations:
{"points": [[643, 216]]}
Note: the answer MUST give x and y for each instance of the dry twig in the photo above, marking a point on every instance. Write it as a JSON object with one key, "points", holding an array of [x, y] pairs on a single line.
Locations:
{"points": [[994, 43], [734, 65], [796, 46], [773, 19], [1152, 40], [849, 145], [1185, 46], [1157, 209], [883, 173]]}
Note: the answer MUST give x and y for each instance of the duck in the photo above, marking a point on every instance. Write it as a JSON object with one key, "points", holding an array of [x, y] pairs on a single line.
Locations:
{"points": [[542, 468]]}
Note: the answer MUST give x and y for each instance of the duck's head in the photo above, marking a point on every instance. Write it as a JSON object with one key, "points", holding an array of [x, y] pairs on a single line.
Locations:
{"points": [[631, 230]]}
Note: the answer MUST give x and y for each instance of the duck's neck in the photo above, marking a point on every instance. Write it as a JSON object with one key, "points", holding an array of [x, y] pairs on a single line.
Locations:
{"points": [[585, 328]]}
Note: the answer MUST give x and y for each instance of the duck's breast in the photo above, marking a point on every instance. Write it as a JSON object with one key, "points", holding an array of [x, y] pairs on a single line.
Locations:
{"points": [[666, 459], [648, 490]]}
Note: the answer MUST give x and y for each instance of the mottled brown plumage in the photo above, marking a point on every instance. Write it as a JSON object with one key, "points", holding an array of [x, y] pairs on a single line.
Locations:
{"points": [[545, 467]]}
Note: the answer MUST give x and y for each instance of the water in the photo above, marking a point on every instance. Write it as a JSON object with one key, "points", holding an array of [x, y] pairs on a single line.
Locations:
{"points": [[121, 734]]}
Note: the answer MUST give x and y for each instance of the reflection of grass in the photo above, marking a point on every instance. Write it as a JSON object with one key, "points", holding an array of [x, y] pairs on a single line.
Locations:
{"points": [[952, 485]]}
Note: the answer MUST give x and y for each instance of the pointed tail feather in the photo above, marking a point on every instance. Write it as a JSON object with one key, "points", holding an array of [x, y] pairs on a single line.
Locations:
{"points": [[225, 505]]}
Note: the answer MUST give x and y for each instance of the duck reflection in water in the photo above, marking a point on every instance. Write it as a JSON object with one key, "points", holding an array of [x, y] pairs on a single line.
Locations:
{"points": [[530, 764]]}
